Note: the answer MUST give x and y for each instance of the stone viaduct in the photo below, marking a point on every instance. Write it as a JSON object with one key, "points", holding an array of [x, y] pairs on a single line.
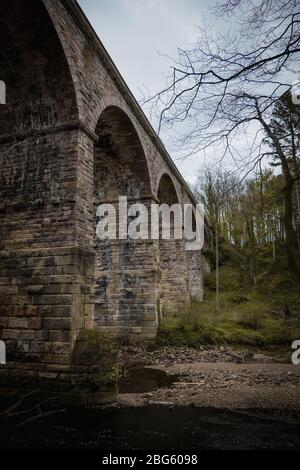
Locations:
{"points": [[72, 136]]}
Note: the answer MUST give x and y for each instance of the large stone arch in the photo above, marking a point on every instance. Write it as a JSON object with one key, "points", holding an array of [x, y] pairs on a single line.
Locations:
{"points": [[40, 89], [126, 269], [69, 56], [110, 101], [174, 296], [41, 315], [35, 125]]}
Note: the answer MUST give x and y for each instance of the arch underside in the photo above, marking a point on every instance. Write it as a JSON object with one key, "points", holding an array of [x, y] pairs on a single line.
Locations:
{"points": [[174, 297], [40, 97], [125, 275], [37, 188], [40, 91]]}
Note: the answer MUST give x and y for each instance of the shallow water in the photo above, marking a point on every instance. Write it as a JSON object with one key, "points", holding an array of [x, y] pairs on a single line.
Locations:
{"points": [[145, 379], [154, 427]]}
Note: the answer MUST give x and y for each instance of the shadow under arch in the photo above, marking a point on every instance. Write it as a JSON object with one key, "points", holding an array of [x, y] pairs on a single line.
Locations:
{"points": [[179, 262], [40, 91], [166, 191], [110, 102], [38, 154], [125, 272], [173, 293], [120, 157]]}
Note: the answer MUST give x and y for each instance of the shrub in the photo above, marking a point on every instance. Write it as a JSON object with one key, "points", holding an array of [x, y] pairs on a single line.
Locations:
{"points": [[253, 320]]}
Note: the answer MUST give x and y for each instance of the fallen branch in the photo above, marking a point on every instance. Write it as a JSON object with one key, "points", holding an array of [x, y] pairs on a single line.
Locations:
{"points": [[30, 410], [16, 405], [40, 415], [12, 410]]}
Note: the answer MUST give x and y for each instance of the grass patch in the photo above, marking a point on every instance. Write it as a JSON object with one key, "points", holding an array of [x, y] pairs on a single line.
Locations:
{"points": [[232, 328], [250, 316]]}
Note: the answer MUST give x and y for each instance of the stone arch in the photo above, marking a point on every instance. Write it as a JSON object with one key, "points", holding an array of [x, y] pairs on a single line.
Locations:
{"points": [[166, 189], [38, 156], [111, 101], [165, 176], [108, 101], [119, 145], [40, 101], [173, 293], [68, 55], [125, 280], [39, 84]]}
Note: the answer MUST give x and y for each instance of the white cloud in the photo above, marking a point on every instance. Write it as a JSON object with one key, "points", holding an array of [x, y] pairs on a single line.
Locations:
{"points": [[136, 32]]}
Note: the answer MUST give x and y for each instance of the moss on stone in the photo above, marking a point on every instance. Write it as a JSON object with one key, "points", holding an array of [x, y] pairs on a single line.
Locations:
{"points": [[92, 348]]}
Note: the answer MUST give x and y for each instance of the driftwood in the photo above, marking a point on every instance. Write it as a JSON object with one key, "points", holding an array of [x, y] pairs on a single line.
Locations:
{"points": [[41, 414], [16, 405], [12, 410]]}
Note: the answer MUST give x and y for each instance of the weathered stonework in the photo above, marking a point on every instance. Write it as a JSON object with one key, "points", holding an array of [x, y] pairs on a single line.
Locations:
{"points": [[195, 262], [72, 136]]}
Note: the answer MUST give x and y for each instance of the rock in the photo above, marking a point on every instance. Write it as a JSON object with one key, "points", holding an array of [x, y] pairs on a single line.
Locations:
{"points": [[236, 358], [248, 356], [262, 358], [161, 403]]}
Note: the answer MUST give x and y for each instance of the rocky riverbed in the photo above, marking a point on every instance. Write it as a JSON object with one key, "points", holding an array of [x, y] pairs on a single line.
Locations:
{"points": [[214, 377], [213, 398]]}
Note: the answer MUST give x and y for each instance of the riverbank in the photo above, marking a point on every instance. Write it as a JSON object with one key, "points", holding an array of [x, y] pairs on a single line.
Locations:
{"points": [[207, 399]]}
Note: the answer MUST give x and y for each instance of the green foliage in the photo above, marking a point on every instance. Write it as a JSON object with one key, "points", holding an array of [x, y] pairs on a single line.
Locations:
{"points": [[243, 215], [229, 280], [253, 319], [232, 327], [250, 316]]}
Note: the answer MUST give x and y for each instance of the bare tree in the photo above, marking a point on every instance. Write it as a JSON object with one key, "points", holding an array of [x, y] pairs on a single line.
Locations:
{"points": [[224, 89], [283, 137], [214, 190]]}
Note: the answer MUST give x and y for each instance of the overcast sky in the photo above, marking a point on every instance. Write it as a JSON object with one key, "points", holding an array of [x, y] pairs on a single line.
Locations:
{"points": [[137, 32]]}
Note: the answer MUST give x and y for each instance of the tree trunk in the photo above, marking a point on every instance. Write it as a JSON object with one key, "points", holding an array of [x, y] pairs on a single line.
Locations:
{"points": [[217, 272], [291, 243], [252, 244], [297, 189], [291, 237]]}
